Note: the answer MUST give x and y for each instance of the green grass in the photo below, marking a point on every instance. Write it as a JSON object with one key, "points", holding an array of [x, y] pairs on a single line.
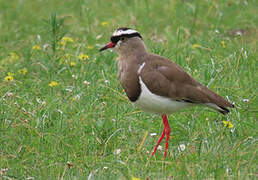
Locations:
{"points": [[43, 129]]}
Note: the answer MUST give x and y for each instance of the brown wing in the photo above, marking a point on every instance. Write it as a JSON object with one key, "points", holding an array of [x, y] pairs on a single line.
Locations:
{"points": [[165, 78]]}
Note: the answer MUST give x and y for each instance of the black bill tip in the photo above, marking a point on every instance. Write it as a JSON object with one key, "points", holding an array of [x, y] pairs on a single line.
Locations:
{"points": [[109, 45]]}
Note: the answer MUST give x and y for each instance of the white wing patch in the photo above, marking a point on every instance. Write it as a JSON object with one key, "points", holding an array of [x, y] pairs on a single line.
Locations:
{"points": [[120, 32], [140, 68], [157, 104]]}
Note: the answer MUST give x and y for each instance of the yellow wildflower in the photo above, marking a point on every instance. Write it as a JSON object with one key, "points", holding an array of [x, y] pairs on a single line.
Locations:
{"points": [[5, 61], [53, 84], [90, 47], [66, 56], [104, 23], [223, 44], [62, 43], [60, 48], [135, 178], [228, 124], [8, 78], [76, 98], [23, 71], [196, 46], [13, 56], [67, 39], [83, 56], [72, 64], [10, 74], [36, 47]]}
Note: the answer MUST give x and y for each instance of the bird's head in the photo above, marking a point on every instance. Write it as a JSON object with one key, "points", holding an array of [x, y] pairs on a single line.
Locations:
{"points": [[124, 39]]}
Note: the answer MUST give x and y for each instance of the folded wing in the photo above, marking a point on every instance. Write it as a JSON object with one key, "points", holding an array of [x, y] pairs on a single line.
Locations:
{"points": [[165, 78]]}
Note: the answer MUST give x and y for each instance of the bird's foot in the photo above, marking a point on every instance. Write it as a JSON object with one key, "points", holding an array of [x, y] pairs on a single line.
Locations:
{"points": [[159, 141]]}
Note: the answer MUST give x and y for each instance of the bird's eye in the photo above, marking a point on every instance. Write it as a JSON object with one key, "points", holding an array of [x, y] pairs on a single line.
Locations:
{"points": [[123, 38]]}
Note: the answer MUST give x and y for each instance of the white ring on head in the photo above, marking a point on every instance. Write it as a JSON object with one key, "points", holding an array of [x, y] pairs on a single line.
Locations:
{"points": [[120, 32]]}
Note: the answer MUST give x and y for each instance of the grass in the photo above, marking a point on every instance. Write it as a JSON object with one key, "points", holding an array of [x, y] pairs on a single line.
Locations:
{"points": [[84, 127]]}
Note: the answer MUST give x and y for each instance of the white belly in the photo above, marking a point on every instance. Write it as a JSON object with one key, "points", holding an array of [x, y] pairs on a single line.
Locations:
{"points": [[157, 104]]}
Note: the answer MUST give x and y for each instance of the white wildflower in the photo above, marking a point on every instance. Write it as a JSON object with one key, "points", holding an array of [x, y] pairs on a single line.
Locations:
{"points": [[86, 83], [181, 147], [153, 134], [45, 46], [117, 151], [98, 36], [30, 178], [9, 94], [4, 170], [61, 112], [159, 148], [246, 100], [39, 38]]}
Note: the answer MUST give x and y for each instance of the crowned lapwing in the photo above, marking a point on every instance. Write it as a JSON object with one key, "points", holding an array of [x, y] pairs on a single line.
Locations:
{"points": [[156, 84]]}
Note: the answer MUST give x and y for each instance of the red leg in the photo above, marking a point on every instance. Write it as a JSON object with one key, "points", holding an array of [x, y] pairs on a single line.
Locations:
{"points": [[166, 132]]}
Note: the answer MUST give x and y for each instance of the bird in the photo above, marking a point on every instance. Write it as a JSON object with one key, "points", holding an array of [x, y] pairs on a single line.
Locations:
{"points": [[156, 84]]}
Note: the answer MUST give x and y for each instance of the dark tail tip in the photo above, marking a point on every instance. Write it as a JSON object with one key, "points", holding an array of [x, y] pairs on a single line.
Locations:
{"points": [[224, 110]]}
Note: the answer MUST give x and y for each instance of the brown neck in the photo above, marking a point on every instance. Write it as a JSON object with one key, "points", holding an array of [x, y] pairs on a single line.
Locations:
{"points": [[133, 47]]}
